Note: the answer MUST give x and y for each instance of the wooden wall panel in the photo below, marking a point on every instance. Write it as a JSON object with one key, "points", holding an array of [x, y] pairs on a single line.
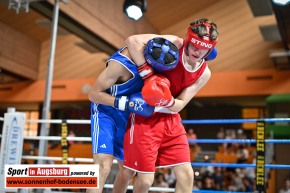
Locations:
{"points": [[19, 54], [247, 83], [222, 84], [241, 45], [71, 61], [163, 13], [24, 22], [62, 90]]}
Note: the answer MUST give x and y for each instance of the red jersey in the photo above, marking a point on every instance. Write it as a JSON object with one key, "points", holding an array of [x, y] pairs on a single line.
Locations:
{"points": [[181, 78], [160, 141]]}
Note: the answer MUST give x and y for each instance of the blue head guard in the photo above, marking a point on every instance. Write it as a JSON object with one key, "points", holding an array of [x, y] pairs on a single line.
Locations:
{"points": [[161, 54]]}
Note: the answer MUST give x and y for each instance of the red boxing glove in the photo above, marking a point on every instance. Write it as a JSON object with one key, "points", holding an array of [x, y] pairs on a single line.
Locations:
{"points": [[156, 91]]}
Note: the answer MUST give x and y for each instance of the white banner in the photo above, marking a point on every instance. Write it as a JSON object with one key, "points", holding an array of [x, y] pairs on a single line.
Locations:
{"points": [[11, 143], [51, 176]]}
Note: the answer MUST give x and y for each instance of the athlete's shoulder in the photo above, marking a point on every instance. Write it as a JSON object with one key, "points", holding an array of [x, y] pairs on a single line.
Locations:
{"points": [[206, 74], [121, 53]]}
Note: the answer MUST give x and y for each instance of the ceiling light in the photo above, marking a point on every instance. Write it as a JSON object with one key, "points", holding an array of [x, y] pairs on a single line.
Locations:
{"points": [[281, 2], [135, 9]]}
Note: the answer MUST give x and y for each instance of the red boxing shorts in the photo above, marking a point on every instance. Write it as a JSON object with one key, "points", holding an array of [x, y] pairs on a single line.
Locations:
{"points": [[158, 141]]}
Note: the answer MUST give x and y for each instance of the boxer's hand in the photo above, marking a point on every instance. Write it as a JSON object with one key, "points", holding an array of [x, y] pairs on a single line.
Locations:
{"points": [[156, 91], [135, 104]]}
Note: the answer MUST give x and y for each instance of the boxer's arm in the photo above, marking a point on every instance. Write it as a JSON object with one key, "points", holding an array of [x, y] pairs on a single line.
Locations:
{"points": [[189, 92], [136, 45], [106, 79]]}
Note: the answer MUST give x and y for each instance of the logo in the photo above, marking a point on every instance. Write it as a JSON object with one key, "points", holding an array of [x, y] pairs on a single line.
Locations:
{"points": [[131, 104], [203, 44], [50, 176], [162, 102], [103, 146], [138, 105], [149, 61], [136, 164]]}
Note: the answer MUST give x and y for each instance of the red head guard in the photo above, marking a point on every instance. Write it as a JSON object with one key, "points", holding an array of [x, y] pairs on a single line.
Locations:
{"points": [[203, 43]]}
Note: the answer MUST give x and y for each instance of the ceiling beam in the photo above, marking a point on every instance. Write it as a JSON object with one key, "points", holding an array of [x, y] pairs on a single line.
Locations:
{"points": [[282, 14], [91, 21]]}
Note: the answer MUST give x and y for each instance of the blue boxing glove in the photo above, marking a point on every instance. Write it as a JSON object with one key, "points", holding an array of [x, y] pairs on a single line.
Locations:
{"points": [[135, 104], [212, 55]]}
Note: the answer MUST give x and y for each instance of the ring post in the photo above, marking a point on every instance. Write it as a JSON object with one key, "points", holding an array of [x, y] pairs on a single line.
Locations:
{"points": [[260, 159], [44, 130]]}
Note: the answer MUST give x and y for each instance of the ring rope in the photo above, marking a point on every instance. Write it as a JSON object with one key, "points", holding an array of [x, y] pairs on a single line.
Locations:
{"points": [[287, 141], [232, 121], [55, 138], [194, 191], [160, 189], [88, 139], [230, 165], [51, 158], [216, 191], [59, 121], [205, 121]]}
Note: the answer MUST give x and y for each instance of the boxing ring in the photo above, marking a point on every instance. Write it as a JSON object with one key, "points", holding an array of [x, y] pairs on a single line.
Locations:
{"points": [[260, 141]]}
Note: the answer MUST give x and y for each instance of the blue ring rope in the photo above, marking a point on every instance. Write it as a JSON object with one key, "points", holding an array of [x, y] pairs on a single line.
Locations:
{"points": [[284, 141], [229, 165], [215, 191], [234, 121]]}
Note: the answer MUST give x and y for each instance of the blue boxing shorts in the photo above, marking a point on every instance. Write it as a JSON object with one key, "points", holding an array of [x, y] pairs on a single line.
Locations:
{"points": [[108, 126]]}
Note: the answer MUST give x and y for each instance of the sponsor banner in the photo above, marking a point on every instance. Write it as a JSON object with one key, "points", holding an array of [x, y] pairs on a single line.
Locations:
{"points": [[50, 176], [11, 142], [260, 159], [64, 143]]}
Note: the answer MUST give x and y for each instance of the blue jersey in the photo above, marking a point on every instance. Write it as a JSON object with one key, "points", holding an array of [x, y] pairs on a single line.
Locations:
{"points": [[134, 85], [108, 124]]}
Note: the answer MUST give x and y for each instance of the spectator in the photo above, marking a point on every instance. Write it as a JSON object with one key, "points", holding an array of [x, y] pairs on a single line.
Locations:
{"points": [[196, 185], [242, 154], [250, 173], [71, 134], [191, 135], [218, 177], [240, 134], [237, 181], [286, 188], [159, 181], [228, 147], [208, 184], [248, 185], [170, 178], [221, 133], [192, 145]]}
